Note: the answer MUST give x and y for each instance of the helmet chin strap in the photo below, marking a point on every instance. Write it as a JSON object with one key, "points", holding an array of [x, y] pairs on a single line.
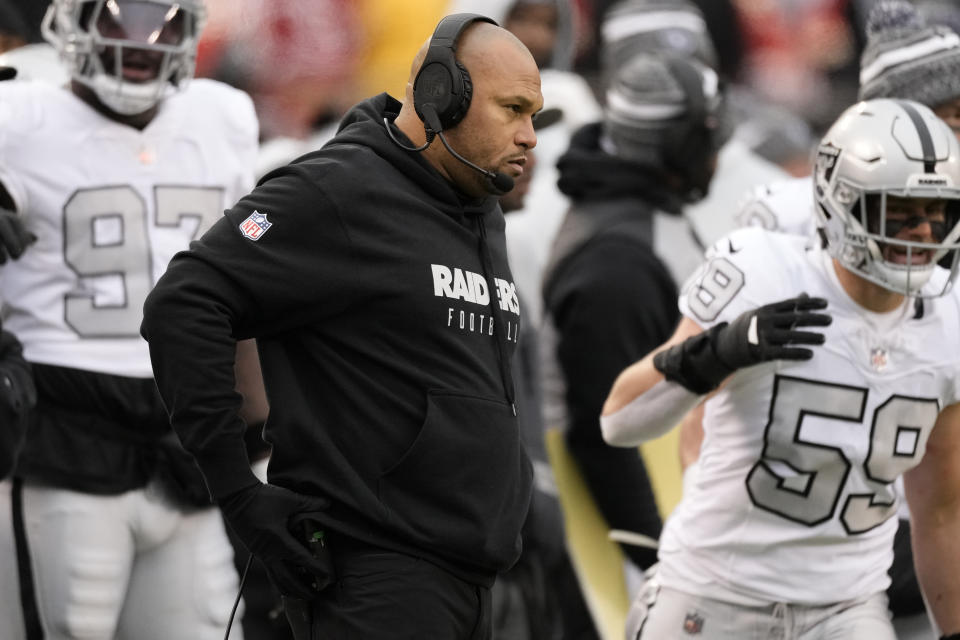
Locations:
{"points": [[127, 98]]}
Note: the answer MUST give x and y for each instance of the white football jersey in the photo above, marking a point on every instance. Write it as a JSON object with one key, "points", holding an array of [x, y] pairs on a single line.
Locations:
{"points": [[786, 206], [110, 206], [794, 501]]}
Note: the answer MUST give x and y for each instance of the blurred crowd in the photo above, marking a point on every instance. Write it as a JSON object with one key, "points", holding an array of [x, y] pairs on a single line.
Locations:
{"points": [[305, 61], [788, 69]]}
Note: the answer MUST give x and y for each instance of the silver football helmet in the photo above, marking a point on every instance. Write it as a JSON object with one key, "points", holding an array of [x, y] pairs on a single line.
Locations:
{"points": [[130, 52], [876, 152]]}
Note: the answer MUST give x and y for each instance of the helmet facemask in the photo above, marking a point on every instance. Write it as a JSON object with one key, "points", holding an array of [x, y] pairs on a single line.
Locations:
{"points": [[869, 189], [131, 53]]}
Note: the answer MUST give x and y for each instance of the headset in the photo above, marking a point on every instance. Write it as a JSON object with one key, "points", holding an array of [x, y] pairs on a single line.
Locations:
{"points": [[689, 144], [442, 91], [443, 87]]}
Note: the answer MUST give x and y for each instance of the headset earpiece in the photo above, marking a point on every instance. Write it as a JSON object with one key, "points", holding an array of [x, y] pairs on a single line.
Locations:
{"points": [[690, 143], [692, 138], [443, 85]]}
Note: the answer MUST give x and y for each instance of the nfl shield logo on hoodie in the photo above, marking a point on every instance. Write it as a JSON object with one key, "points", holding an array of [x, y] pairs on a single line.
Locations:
{"points": [[255, 226]]}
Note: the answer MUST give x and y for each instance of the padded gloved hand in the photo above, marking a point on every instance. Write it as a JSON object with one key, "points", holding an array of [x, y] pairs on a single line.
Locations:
{"points": [[17, 391], [702, 362], [264, 517], [17, 396], [14, 237]]}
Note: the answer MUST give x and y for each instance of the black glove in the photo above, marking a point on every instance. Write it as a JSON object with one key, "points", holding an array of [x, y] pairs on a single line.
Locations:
{"points": [[702, 362], [17, 396], [266, 518], [14, 237], [17, 391]]}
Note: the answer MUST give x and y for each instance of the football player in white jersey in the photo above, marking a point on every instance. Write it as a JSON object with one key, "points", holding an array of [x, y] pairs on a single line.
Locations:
{"points": [[905, 58], [104, 180], [818, 403]]}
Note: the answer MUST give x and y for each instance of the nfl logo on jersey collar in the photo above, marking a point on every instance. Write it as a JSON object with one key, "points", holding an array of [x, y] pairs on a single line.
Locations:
{"points": [[878, 359], [255, 226], [693, 624]]}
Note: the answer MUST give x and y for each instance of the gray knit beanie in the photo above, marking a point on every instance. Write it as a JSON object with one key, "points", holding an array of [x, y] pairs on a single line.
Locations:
{"points": [[665, 27], [942, 12], [644, 104], [906, 58]]}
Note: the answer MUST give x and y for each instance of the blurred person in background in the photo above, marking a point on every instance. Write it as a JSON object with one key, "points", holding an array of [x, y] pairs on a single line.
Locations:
{"points": [[679, 27], [617, 259], [298, 59], [375, 39], [103, 180]]}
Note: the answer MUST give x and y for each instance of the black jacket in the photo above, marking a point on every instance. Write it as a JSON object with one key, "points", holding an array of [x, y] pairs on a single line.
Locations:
{"points": [[609, 299], [367, 294]]}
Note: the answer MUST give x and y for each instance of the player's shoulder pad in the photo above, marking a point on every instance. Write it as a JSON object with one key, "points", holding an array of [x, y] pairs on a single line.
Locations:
{"points": [[225, 106], [786, 206], [744, 269], [765, 252], [25, 104]]}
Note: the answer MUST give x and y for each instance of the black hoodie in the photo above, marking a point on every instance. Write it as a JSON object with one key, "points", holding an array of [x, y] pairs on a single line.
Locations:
{"points": [[367, 286], [610, 297]]}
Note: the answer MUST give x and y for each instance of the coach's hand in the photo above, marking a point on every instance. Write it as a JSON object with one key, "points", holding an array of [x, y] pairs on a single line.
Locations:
{"points": [[14, 237], [770, 332], [262, 516]]}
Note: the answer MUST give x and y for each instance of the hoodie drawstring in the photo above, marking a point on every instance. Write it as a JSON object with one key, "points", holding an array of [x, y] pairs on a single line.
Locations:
{"points": [[506, 376]]}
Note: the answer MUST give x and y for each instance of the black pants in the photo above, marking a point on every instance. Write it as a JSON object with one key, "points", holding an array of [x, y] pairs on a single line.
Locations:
{"points": [[384, 594]]}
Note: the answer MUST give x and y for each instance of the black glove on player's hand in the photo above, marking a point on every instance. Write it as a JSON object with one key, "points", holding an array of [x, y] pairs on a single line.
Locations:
{"points": [[14, 237], [17, 391], [263, 517], [770, 332]]}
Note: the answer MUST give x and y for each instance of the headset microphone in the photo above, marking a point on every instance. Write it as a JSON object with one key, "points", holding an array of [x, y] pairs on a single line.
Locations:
{"points": [[500, 182]]}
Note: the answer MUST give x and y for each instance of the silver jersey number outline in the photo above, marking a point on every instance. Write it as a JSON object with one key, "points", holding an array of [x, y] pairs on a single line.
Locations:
{"points": [[709, 293], [898, 435], [129, 255]]}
